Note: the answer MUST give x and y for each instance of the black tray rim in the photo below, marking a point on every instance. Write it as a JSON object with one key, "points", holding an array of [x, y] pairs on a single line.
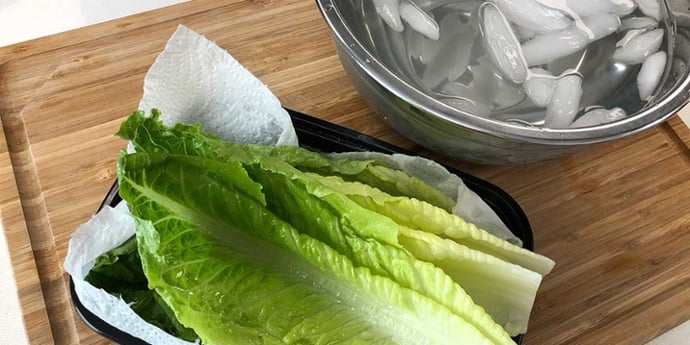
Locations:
{"points": [[310, 129]]}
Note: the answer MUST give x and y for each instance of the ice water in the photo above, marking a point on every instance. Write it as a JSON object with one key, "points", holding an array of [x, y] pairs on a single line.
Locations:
{"points": [[457, 70]]}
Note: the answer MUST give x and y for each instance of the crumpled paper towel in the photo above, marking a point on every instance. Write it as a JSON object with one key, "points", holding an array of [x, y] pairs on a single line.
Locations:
{"points": [[195, 81], [108, 229]]}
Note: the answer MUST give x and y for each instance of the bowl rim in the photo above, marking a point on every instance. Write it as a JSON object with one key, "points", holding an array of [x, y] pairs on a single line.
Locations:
{"points": [[675, 99]]}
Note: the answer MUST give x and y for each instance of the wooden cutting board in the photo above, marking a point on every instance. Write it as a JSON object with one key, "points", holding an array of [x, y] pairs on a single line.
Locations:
{"points": [[616, 218]]}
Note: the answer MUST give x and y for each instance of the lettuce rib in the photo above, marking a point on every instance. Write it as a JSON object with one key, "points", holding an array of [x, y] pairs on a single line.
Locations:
{"points": [[506, 291]]}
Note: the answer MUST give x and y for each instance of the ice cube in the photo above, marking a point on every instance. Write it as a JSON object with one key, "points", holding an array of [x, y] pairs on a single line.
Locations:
{"points": [[449, 26], [451, 61], [548, 47], [508, 95], [602, 25], [419, 20], [540, 86], [639, 48], [531, 14], [463, 51], [586, 8], [650, 74], [583, 8], [629, 35], [623, 7], [638, 23], [565, 7], [565, 102], [523, 33], [502, 45], [493, 88], [484, 80], [389, 12], [545, 48], [650, 8], [598, 116]]}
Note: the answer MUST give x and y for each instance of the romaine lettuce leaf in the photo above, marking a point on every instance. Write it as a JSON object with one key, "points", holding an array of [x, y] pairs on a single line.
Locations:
{"points": [[339, 222], [118, 269], [367, 238], [149, 134], [119, 272], [376, 174], [236, 273], [506, 291], [468, 204], [423, 216]]}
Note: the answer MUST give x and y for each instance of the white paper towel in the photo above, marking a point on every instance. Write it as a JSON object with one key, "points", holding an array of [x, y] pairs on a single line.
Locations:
{"points": [[108, 229], [195, 81]]}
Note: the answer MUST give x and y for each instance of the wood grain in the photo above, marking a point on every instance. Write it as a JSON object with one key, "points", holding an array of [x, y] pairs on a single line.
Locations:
{"points": [[34, 311], [616, 217]]}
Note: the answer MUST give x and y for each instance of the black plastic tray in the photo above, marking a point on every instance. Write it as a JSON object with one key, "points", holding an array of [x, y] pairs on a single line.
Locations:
{"points": [[319, 135]]}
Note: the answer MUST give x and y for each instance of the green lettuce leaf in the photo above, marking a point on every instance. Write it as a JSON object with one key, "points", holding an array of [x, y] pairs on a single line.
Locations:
{"points": [[423, 216], [118, 269], [367, 238], [339, 222], [373, 173], [119, 272], [149, 134], [506, 291], [235, 273]]}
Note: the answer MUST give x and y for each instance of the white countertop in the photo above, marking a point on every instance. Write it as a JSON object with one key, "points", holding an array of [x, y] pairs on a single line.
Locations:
{"points": [[21, 20]]}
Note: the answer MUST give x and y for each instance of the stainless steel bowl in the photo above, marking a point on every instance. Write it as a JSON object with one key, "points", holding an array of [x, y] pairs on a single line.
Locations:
{"points": [[442, 128]]}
